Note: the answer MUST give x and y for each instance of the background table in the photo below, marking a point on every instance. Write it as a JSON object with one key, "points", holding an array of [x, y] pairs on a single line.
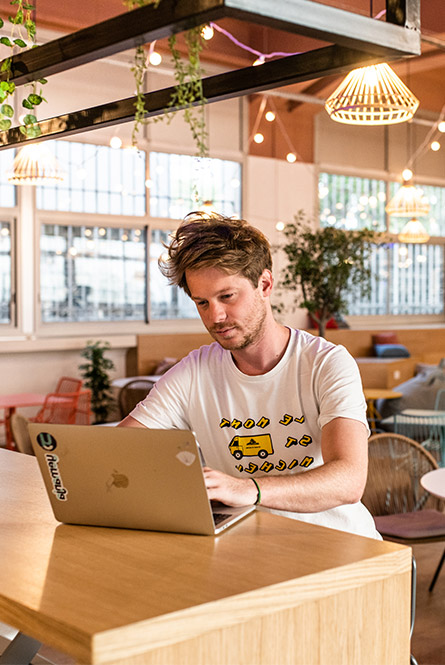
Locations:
{"points": [[268, 590], [12, 402], [371, 395], [434, 483]]}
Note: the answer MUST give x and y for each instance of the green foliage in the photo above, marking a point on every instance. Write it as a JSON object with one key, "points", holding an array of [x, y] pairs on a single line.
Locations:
{"points": [[323, 265], [23, 24], [188, 93], [95, 374]]}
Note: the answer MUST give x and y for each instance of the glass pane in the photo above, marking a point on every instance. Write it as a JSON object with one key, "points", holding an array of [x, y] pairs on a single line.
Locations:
{"points": [[176, 178], [377, 301], [166, 302], [99, 179], [417, 275], [352, 203], [434, 222], [90, 273], [5, 272]]}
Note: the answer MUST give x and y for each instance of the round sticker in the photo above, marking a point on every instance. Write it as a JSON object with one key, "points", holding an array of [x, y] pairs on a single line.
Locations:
{"points": [[46, 441]]}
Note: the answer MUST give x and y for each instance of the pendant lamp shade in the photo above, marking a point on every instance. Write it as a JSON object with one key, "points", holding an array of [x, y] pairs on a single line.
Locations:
{"points": [[372, 95], [408, 202], [413, 232], [33, 165]]}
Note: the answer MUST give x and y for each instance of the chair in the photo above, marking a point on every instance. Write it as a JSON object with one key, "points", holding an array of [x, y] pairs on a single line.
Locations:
{"points": [[20, 434], [439, 404], [428, 430], [66, 384], [72, 408], [132, 393], [403, 511]]}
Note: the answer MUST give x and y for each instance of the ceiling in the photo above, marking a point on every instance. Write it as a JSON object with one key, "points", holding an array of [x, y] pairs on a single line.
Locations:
{"points": [[297, 104]]}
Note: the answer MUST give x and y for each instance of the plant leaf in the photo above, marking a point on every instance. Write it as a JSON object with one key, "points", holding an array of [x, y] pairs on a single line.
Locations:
{"points": [[35, 99], [6, 41], [20, 42], [29, 119], [27, 104], [5, 124], [7, 110]]}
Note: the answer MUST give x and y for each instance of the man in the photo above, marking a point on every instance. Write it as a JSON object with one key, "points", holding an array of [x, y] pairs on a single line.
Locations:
{"points": [[279, 414]]}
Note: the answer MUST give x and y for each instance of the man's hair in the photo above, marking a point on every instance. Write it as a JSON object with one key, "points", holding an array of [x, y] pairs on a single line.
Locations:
{"points": [[216, 241]]}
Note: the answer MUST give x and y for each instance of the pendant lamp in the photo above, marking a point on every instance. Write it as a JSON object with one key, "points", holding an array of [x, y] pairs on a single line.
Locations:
{"points": [[408, 202], [413, 232], [372, 95], [35, 164]]}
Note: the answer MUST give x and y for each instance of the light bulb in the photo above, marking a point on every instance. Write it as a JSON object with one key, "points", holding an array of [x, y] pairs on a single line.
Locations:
{"points": [[258, 138], [407, 174], [155, 58], [270, 116], [280, 226], [115, 142], [291, 157], [435, 146], [207, 32], [148, 183], [441, 126]]}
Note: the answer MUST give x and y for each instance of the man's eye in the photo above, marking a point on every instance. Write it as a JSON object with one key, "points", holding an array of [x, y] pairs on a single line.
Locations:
{"points": [[227, 296]]}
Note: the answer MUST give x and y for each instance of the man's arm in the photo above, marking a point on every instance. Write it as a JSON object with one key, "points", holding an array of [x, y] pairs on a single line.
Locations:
{"points": [[129, 421], [339, 481]]}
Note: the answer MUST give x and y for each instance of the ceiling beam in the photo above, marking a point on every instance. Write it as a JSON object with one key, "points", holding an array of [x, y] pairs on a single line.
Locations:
{"points": [[150, 23], [277, 73]]}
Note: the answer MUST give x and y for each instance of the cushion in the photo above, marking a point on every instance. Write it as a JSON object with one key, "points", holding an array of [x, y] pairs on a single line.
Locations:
{"points": [[385, 338], [391, 351], [420, 524], [417, 393]]}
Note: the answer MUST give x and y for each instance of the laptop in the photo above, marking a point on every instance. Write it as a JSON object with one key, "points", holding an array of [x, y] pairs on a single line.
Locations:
{"points": [[128, 477]]}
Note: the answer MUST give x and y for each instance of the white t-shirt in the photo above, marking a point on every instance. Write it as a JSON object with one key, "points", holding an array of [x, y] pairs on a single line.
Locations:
{"points": [[268, 424]]}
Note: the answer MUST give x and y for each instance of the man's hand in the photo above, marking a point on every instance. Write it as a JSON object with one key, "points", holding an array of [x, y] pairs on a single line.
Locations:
{"points": [[228, 490]]}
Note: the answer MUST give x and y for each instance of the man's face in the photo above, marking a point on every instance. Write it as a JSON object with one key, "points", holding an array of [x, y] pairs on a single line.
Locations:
{"points": [[232, 310]]}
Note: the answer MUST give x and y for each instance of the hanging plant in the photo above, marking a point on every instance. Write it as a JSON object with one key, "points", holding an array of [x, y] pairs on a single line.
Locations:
{"points": [[188, 94], [22, 27]]}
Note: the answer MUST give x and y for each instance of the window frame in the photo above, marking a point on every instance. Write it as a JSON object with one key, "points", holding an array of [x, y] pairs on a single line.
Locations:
{"points": [[386, 320], [9, 215]]}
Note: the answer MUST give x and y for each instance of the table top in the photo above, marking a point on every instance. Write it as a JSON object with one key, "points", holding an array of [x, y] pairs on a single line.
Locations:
{"points": [[120, 383], [102, 594], [381, 393], [434, 482], [21, 399]]}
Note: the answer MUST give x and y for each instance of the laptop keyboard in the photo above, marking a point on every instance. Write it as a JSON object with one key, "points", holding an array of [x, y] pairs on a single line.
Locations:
{"points": [[219, 517]]}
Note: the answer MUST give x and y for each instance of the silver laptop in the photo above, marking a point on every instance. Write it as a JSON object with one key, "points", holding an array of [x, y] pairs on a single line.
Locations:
{"points": [[128, 477]]}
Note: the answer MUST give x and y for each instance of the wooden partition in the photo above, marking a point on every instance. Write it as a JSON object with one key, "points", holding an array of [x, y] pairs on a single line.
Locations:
{"points": [[151, 349]]}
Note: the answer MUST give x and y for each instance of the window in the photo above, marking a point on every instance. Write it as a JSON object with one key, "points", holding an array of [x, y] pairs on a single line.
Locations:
{"points": [[7, 191], [175, 178], [407, 279], [6, 273], [91, 273], [166, 302], [99, 179]]}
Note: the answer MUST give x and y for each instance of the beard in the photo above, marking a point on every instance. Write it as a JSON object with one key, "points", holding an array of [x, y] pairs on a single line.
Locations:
{"points": [[244, 334]]}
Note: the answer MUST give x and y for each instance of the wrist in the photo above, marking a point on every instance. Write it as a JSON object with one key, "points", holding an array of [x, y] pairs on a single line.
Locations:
{"points": [[258, 490]]}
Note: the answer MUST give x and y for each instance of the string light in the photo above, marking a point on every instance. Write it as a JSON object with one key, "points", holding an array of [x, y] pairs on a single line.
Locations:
{"points": [[153, 58], [291, 157], [115, 142], [435, 146], [207, 32], [258, 137], [270, 116]]}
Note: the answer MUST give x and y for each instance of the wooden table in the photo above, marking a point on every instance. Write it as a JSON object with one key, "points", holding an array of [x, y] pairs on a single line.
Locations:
{"points": [[12, 402], [268, 590], [373, 394]]}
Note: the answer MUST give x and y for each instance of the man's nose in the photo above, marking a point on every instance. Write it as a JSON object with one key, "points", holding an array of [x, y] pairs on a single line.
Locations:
{"points": [[217, 312]]}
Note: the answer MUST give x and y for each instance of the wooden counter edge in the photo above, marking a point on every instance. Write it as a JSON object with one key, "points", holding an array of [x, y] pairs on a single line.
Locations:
{"points": [[169, 629]]}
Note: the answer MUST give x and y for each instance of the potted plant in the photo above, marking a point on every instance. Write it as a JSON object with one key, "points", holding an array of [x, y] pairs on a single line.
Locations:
{"points": [[95, 373], [323, 265]]}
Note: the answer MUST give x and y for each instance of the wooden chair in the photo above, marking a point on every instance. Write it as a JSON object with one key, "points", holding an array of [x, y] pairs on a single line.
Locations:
{"points": [[132, 393], [403, 511]]}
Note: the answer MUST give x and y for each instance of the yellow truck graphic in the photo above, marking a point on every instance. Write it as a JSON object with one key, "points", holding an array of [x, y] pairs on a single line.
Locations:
{"points": [[251, 446]]}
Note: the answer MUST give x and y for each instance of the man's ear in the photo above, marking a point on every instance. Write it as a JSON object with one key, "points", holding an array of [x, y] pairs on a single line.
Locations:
{"points": [[265, 283]]}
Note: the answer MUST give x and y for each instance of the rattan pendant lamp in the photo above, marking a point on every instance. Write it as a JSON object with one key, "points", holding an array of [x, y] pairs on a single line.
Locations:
{"points": [[35, 164]]}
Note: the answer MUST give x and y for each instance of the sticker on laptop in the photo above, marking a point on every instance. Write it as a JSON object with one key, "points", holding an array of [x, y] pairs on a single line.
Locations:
{"points": [[46, 441], [59, 490], [186, 457]]}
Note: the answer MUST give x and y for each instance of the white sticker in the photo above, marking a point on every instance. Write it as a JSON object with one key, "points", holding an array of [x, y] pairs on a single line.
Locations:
{"points": [[186, 457]]}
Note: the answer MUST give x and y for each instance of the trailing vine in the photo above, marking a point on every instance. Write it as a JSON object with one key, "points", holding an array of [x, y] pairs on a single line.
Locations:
{"points": [[188, 94], [22, 27]]}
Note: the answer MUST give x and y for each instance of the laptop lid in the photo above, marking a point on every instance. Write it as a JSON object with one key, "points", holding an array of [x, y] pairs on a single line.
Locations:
{"points": [[127, 477]]}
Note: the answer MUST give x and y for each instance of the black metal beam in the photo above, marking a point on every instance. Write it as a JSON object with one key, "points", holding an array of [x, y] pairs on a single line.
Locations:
{"points": [[293, 69], [150, 23]]}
